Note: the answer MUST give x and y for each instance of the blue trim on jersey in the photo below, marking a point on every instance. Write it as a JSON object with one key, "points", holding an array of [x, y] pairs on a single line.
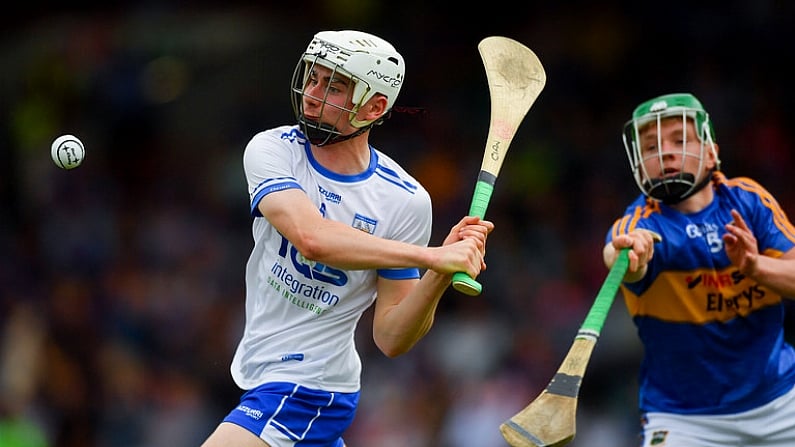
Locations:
{"points": [[294, 135], [407, 273], [364, 175], [290, 184], [392, 177], [709, 347], [305, 416]]}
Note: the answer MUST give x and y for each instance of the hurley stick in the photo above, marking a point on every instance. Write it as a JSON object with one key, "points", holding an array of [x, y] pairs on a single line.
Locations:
{"points": [[515, 78]]}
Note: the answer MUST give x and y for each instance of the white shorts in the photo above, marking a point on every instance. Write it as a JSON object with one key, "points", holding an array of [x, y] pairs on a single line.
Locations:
{"points": [[771, 425]]}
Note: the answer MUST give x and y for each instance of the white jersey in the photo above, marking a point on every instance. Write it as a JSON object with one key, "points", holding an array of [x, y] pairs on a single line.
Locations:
{"points": [[301, 315]]}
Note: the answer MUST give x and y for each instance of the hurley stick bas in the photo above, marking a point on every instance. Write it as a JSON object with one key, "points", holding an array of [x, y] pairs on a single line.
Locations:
{"points": [[515, 78], [550, 419]]}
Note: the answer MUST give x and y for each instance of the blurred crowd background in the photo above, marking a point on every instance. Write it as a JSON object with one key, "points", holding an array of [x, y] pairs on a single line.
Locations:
{"points": [[121, 282]]}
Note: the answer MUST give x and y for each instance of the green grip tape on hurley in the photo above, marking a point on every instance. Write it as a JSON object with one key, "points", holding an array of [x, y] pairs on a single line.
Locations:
{"points": [[480, 201], [596, 317], [481, 198]]}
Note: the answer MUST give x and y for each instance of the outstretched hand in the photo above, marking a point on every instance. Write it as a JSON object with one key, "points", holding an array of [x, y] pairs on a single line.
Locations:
{"points": [[641, 244], [741, 245]]}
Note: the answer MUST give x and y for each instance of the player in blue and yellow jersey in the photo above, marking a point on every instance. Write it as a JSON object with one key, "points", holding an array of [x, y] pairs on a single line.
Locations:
{"points": [[707, 300]]}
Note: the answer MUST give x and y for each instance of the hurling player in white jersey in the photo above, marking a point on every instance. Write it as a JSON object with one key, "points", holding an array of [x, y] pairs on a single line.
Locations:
{"points": [[337, 226], [708, 299]]}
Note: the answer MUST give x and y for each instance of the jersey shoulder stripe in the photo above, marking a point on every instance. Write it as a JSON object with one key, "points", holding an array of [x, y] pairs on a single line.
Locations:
{"points": [[630, 220], [779, 217], [393, 177]]}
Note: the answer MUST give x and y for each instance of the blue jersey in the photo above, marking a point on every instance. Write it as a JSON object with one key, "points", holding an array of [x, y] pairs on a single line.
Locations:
{"points": [[713, 339]]}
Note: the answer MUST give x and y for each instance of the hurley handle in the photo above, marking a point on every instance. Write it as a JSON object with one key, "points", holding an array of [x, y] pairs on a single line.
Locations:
{"points": [[480, 201], [596, 317]]}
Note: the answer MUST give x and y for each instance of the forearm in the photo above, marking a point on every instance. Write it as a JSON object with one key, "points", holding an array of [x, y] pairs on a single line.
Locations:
{"points": [[335, 243], [777, 274], [344, 247], [399, 325]]}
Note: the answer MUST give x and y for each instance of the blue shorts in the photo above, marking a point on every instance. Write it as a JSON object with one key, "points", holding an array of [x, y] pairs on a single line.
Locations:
{"points": [[285, 415]]}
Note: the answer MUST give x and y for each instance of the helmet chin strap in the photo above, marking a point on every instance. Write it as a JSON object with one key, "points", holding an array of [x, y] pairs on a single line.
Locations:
{"points": [[321, 134], [671, 191]]}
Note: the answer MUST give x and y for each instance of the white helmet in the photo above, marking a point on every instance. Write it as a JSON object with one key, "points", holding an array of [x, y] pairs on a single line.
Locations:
{"points": [[372, 64]]}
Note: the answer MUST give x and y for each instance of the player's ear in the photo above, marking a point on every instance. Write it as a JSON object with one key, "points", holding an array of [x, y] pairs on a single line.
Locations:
{"points": [[374, 108]]}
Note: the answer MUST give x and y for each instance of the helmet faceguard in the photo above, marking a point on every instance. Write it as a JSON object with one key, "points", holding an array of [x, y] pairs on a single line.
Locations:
{"points": [[674, 188], [371, 64]]}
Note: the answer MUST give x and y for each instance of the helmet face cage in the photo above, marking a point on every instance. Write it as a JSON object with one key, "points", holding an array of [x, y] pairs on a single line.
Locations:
{"points": [[318, 132], [675, 188], [371, 63]]}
